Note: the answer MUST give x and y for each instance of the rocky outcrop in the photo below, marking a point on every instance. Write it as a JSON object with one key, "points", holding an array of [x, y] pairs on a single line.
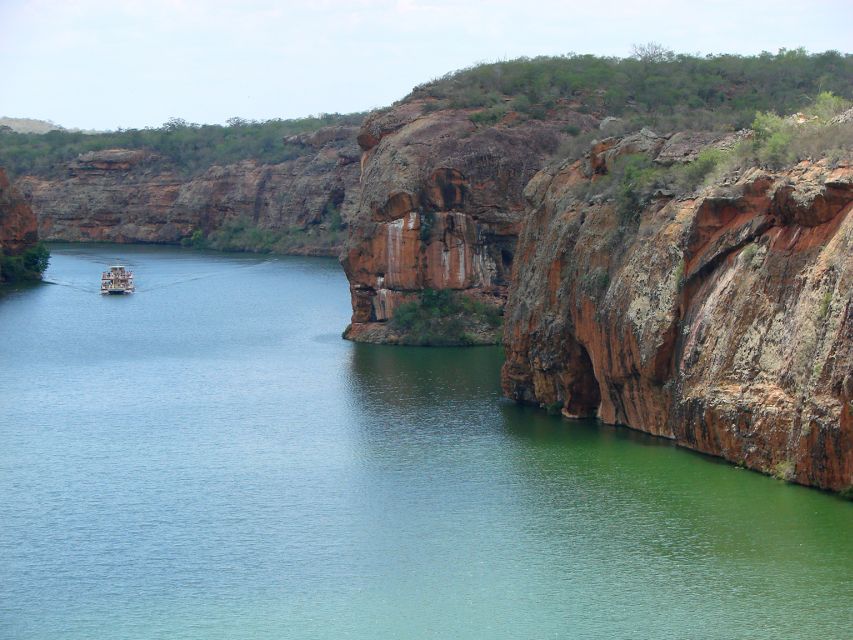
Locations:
{"points": [[440, 205], [18, 225], [121, 195], [722, 320]]}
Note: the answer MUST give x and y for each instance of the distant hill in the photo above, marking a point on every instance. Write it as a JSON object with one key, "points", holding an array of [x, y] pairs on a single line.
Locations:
{"points": [[187, 147], [29, 125]]}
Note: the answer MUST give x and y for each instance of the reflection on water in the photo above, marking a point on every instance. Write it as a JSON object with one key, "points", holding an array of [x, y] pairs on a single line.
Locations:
{"points": [[206, 458], [420, 376]]}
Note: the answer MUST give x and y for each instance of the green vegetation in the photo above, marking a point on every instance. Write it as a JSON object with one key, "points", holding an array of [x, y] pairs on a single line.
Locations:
{"points": [[595, 282], [445, 318], [241, 234], [749, 252], [784, 470], [186, 147], [489, 116], [780, 141], [654, 86], [630, 183], [823, 307], [694, 173], [637, 177], [634, 178], [25, 267], [332, 213], [679, 271]]}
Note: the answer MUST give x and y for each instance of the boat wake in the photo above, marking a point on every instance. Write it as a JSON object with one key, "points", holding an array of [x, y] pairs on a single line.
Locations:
{"points": [[71, 285], [171, 283], [202, 276]]}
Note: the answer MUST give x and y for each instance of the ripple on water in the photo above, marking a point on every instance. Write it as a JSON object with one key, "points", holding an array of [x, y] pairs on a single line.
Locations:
{"points": [[208, 458]]}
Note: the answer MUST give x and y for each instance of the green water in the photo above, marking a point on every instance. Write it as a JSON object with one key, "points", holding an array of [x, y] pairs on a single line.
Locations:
{"points": [[208, 459]]}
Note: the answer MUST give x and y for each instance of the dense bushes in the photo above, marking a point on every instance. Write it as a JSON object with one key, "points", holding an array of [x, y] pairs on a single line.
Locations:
{"points": [[776, 142], [186, 147], [445, 318], [25, 267], [680, 91], [779, 141]]}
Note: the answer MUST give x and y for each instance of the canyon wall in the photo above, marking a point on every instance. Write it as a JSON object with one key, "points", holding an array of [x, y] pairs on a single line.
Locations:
{"points": [[122, 195], [722, 320], [440, 205], [18, 224]]}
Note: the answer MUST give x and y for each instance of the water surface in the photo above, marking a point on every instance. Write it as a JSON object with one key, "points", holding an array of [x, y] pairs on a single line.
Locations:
{"points": [[208, 459]]}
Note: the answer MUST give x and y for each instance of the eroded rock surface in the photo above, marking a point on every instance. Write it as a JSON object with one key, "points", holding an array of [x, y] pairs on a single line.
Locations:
{"points": [[121, 195], [723, 321], [440, 205], [18, 225]]}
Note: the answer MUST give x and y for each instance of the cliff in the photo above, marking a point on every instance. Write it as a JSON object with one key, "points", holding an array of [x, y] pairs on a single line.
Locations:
{"points": [[18, 226], [121, 195], [712, 311], [18, 229], [440, 206], [721, 318]]}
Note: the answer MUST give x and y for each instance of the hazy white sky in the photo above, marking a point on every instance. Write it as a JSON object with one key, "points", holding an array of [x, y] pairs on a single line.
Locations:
{"points": [[134, 63]]}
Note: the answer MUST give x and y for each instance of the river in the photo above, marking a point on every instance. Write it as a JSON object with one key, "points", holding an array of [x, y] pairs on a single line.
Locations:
{"points": [[208, 459]]}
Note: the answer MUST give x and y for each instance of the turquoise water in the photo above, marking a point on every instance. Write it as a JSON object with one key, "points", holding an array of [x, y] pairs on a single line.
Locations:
{"points": [[208, 459]]}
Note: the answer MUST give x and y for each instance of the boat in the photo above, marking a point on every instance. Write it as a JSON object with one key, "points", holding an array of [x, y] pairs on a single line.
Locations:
{"points": [[117, 281]]}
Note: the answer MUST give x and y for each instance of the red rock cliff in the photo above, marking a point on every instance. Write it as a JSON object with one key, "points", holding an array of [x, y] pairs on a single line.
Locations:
{"points": [[440, 206], [122, 195], [18, 226], [723, 321]]}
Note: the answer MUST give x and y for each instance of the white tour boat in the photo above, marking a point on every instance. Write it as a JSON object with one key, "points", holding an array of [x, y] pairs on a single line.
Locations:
{"points": [[117, 281]]}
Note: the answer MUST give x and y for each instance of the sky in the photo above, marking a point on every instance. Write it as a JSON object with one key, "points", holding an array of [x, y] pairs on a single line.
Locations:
{"points": [[107, 64]]}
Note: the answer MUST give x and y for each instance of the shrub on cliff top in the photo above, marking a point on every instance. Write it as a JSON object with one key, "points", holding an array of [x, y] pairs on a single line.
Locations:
{"points": [[728, 89], [827, 105], [692, 174], [633, 179], [637, 177], [781, 141], [489, 116]]}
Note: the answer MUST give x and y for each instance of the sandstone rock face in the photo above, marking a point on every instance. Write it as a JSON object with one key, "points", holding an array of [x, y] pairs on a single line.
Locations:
{"points": [[122, 195], [440, 206], [724, 321], [18, 225]]}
